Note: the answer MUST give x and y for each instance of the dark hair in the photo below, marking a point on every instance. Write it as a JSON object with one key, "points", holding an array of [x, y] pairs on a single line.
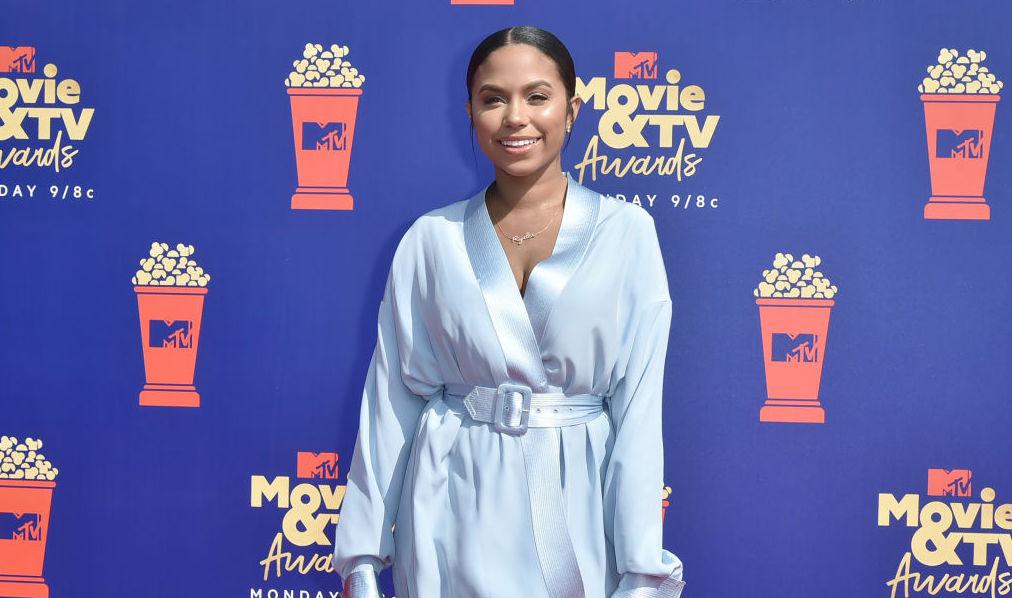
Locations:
{"points": [[537, 37]]}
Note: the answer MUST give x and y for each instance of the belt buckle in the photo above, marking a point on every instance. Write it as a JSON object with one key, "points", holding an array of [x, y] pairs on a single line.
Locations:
{"points": [[505, 405]]}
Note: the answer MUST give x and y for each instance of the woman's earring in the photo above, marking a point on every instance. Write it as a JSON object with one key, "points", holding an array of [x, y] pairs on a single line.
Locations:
{"points": [[568, 128]]}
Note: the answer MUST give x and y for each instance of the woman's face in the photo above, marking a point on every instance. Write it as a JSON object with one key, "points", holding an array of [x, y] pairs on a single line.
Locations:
{"points": [[518, 93]]}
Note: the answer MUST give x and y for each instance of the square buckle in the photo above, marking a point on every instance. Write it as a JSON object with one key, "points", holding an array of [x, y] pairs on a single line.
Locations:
{"points": [[506, 405]]}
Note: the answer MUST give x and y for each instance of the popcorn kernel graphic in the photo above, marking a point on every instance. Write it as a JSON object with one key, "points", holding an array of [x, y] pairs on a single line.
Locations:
{"points": [[960, 74], [24, 460], [170, 267], [321, 67], [793, 278]]}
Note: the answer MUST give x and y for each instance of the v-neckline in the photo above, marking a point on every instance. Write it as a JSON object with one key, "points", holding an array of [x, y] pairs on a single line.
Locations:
{"points": [[555, 246], [520, 320]]}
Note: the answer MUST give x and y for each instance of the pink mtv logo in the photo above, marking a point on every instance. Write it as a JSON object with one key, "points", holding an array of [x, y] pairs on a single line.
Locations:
{"points": [[317, 465], [635, 65], [949, 482], [17, 59]]}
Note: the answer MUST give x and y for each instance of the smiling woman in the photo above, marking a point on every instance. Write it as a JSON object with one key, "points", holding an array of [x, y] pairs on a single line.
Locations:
{"points": [[509, 436], [521, 104]]}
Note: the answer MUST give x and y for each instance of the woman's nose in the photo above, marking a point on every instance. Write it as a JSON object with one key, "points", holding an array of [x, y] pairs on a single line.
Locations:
{"points": [[516, 113]]}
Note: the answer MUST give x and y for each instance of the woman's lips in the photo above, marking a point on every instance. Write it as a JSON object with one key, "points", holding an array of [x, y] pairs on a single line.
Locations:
{"points": [[523, 149]]}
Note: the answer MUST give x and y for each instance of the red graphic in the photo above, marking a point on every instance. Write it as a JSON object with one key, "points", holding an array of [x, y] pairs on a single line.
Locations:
{"points": [[317, 465], [170, 360], [323, 162], [22, 554], [665, 503], [17, 59], [635, 65], [792, 385], [959, 143], [949, 482]]}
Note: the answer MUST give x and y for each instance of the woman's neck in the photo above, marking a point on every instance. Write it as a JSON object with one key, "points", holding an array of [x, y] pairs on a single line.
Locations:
{"points": [[533, 193]]}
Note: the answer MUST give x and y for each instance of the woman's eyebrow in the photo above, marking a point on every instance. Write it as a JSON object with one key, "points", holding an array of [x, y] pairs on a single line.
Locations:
{"points": [[491, 87]]}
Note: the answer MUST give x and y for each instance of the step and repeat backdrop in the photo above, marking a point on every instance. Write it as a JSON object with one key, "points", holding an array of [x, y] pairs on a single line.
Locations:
{"points": [[199, 203]]}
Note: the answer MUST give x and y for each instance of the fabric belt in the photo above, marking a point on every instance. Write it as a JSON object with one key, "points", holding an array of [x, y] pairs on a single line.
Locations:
{"points": [[515, 410], [513, 407]]}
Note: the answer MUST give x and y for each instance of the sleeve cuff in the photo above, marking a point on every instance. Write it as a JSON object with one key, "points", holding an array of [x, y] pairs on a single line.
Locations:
{"points": [[360, 578], [361, 584], [639, 585]]}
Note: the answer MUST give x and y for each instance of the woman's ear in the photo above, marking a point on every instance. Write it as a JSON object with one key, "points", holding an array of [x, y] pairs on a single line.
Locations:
{"points": [[574, 106]]}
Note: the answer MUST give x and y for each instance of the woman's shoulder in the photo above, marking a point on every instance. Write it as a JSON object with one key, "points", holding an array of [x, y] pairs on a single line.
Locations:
{"points": [[632, 228], [436, 222], [624, 217], [428, 230], [445, 215]]}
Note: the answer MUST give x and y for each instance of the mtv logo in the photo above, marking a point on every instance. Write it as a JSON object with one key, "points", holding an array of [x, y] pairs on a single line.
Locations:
{"points": [[950, 143], [317, 465], [949, 482], [17, 59], [800, 348], [170, 334], [20, 526], [323, 136], [635, 65]]}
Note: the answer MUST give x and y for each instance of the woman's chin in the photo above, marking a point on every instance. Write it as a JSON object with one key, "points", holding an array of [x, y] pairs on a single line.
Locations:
{"points": [[519, 169]]}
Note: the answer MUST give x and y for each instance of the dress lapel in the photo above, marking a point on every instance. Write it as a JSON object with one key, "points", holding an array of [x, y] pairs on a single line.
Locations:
{"points": [[520, 322], [550, 277]]}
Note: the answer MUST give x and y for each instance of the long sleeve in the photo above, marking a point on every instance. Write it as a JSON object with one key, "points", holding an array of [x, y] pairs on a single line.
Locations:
{"points": [[399, 381], [635, 472]]}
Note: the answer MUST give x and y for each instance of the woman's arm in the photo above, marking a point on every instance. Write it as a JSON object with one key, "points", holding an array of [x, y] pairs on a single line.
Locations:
{"points": [[401, 376], [635, 472]]}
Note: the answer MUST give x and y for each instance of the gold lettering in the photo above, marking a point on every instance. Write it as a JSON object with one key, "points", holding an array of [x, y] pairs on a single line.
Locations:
{"points": [[276, 490], [889, 507], [280, 558]]}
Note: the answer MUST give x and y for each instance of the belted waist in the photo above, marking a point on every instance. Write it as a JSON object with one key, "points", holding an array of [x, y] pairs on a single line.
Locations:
{"points": [[515, 407]]}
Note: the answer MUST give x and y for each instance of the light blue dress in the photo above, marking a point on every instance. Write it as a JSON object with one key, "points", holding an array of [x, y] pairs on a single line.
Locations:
{"points": [[594, 318]]}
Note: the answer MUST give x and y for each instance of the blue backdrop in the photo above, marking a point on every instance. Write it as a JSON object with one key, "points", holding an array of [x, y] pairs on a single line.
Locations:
{"points": [[820, 149]]}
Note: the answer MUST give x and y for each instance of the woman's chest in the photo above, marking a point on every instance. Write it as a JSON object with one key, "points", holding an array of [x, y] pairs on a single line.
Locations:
{"points": [[581, 310]]}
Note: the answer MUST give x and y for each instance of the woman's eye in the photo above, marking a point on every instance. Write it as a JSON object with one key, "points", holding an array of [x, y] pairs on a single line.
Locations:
{"points": [[538, 97]]}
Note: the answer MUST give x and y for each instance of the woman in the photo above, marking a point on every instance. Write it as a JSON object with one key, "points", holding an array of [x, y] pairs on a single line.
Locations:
{"points": [[510, 427]]}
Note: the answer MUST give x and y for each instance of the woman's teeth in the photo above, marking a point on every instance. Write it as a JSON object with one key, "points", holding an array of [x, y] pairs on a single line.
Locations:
{"points": [[523, 143]]}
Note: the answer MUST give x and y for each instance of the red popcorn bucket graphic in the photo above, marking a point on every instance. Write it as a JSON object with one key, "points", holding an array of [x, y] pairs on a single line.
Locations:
{"points": [[794, 344], [959, 128], [24, 528], [323, 122], [170, 332], [665, 503]]}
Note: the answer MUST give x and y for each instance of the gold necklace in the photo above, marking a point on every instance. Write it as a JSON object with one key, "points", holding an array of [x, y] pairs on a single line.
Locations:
{"points": [[519, 239]]}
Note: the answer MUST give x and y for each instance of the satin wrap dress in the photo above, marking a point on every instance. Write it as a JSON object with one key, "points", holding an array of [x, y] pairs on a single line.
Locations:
{"points": [[444, 499]]}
